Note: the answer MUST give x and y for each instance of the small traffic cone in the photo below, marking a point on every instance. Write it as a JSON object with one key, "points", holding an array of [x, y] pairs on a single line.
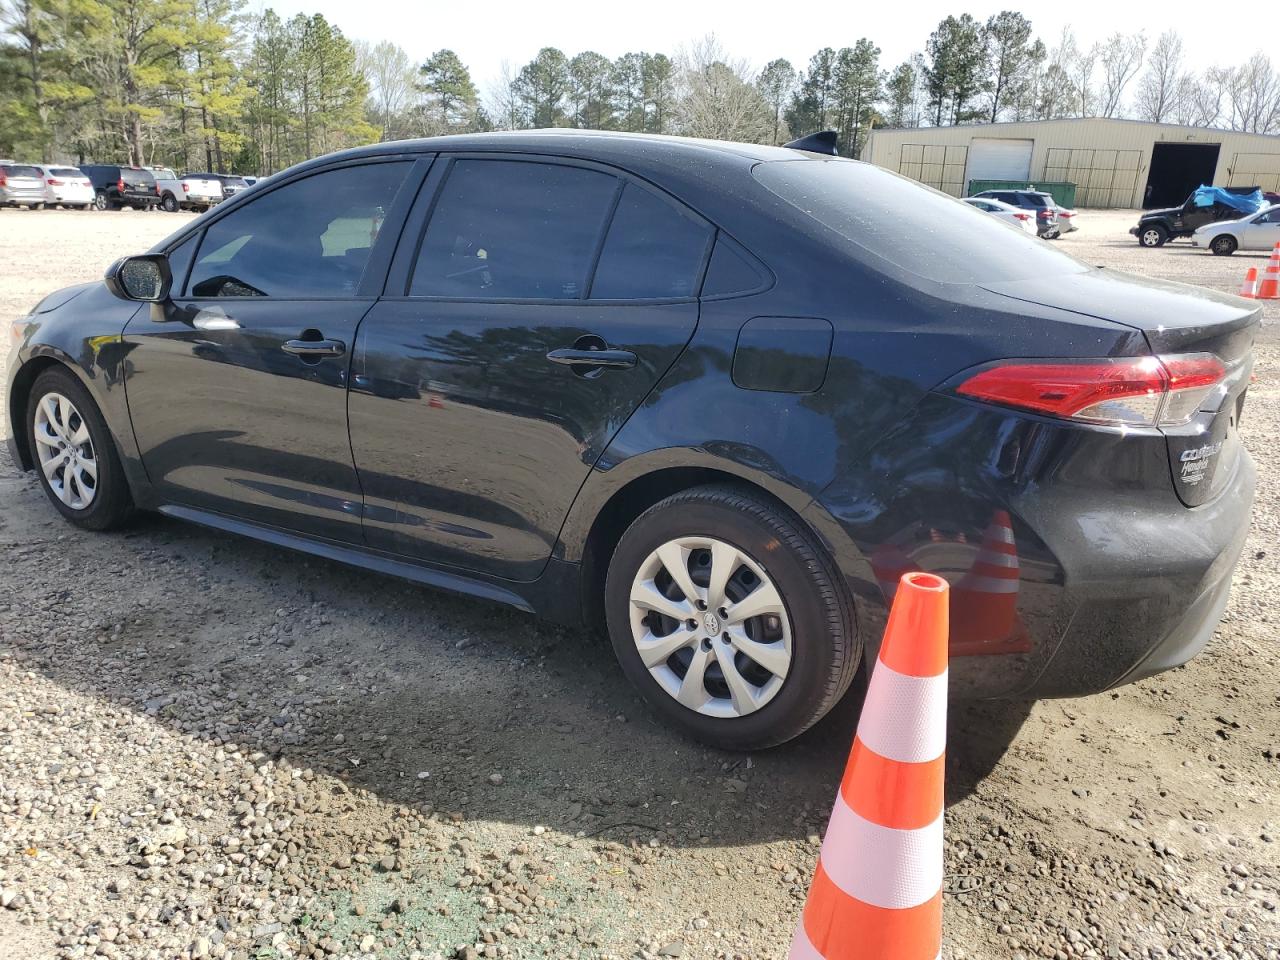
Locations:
{"points": [[1249, 289], [984, 604], [877, 889], [1269, 288]]}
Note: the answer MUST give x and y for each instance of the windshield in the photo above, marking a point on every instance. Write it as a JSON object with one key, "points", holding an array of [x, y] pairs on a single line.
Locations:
{"points": [[910, 225]]}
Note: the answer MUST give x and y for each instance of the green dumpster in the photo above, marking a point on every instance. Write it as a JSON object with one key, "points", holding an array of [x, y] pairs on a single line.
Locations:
{"points": [[1064, 194]]}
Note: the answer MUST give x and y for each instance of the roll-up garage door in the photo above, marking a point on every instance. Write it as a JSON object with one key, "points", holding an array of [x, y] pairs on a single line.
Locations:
{"points": [[993, 159]]}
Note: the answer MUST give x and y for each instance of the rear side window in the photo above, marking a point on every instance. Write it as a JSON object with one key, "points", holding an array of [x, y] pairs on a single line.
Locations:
{"points": [[653, 250], [730, 272], [511, 229], [879, 214], [307, 239]]}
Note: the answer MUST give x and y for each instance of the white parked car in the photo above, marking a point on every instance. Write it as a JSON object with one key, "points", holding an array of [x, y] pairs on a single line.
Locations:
{"points": [[67, 187], [1005, 211], [1257, 231], [202, 191]]}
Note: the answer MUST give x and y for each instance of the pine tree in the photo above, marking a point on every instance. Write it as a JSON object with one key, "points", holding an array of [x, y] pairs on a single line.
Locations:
{"points": [[542, 85], [777, 83], [448, 93]]}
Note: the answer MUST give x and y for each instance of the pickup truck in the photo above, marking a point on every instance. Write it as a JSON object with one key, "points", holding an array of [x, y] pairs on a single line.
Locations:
{"points": [[201, 191], [1157, 227]]}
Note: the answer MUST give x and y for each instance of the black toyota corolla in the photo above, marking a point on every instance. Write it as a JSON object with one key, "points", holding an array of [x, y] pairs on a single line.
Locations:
{"points": [[716, 398]]}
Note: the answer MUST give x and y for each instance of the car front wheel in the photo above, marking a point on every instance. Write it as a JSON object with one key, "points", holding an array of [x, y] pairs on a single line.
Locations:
{"points": [[100, 202], [1224, 246], [74, 455], [1153, 236], [730, 619]]}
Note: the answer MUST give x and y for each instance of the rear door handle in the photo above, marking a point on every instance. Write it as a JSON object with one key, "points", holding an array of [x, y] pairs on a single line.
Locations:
{"points": [[314, 348], [612, 359]]}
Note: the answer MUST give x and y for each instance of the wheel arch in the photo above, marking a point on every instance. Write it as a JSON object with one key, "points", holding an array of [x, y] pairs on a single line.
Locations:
{"points": [[626, 499], [20, 393]]}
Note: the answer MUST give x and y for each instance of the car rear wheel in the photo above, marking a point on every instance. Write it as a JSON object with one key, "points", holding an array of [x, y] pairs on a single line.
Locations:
{"points": [[169, 203], [74, 455], [730, 619], [1224, 246], [1153, 236], [100, 202]]}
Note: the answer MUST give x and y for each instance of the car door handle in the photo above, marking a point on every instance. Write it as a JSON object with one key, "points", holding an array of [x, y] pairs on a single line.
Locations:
{"points": [[314, 348], [612, 359]]}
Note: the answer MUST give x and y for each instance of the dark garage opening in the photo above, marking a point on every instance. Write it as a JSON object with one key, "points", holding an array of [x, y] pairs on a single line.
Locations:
{"points": [[1177, 169]]}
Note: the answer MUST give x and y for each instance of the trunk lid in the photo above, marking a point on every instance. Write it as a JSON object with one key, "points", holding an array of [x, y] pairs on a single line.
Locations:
{"points": [[1174, 318]]}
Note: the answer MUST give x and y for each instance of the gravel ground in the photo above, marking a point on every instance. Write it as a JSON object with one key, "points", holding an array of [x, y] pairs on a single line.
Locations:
{"points": [[213, 748]]}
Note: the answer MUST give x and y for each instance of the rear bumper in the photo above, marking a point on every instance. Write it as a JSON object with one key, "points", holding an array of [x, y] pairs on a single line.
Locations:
{"points": [[1074, 566], [21, 197]]}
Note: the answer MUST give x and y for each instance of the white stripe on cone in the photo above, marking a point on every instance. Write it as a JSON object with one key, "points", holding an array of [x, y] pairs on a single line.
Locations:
{"points": [[988, 585], [884, 867], [801, 948], [904, 718]]}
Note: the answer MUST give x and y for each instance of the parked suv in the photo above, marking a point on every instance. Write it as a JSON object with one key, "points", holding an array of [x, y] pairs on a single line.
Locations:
{"points": [[1157, 227], [116, 186], [1042, 204], [67, 187], [169, 187], [21, 185]]}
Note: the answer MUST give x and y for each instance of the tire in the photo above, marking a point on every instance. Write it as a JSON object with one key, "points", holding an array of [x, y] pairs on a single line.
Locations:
{"points": [[1153, 236], [169, 204], [811, 642], [35, 206], [1224, 245], [100, 201], [109, 505]]}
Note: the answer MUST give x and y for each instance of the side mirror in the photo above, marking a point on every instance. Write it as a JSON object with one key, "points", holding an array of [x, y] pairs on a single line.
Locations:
{"points": [[146, 278]]}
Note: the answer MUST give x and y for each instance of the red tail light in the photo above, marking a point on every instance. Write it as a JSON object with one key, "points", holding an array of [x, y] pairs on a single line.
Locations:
{"points": [[120, 184], [1022, 216], [1135, 391], [3, 181], [1044, 214], [186, 187], [54, 183]]}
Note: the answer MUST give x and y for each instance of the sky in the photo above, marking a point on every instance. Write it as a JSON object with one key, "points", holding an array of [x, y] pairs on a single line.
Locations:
{"points": [[485, 33]]}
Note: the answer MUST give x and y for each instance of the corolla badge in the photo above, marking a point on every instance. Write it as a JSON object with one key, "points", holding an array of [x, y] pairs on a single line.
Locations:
{"points": [[1195, 462]]}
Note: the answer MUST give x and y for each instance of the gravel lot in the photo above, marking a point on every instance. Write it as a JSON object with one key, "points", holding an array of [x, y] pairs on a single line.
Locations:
{"points": [[213, 748]]}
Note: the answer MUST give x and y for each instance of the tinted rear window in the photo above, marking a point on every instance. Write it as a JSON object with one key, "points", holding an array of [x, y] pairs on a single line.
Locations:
{"points": [[65, 172], [910, 225], [21, 170], [234, 182], [1038, 199], [653, 250], [142, 177]]}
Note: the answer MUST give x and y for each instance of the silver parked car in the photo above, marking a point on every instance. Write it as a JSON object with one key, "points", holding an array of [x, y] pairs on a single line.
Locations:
{"points": [[21, 185]]}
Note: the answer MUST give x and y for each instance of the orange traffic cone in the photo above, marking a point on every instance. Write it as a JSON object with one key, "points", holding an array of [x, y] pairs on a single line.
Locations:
{"points": [[1269, 288], [1249, 289], [984, 604], [877, 890]]}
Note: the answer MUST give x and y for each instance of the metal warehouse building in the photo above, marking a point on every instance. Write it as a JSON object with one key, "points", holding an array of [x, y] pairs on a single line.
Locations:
{"points": [[1114, 163]]}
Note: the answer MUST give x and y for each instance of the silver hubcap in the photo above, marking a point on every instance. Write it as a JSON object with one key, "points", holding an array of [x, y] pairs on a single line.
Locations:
{"points": [[710, 626], [66, 451], [1151, 237]]}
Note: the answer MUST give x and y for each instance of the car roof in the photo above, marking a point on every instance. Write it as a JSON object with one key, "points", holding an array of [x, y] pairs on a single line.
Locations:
{"points": [[648, 150]]}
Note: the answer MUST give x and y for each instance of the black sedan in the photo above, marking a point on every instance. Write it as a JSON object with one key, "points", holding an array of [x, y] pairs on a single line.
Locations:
{"points": [[716, 398]]}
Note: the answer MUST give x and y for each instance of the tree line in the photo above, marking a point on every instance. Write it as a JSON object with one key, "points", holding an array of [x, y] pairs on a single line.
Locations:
{"points": [[203, 83]]}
